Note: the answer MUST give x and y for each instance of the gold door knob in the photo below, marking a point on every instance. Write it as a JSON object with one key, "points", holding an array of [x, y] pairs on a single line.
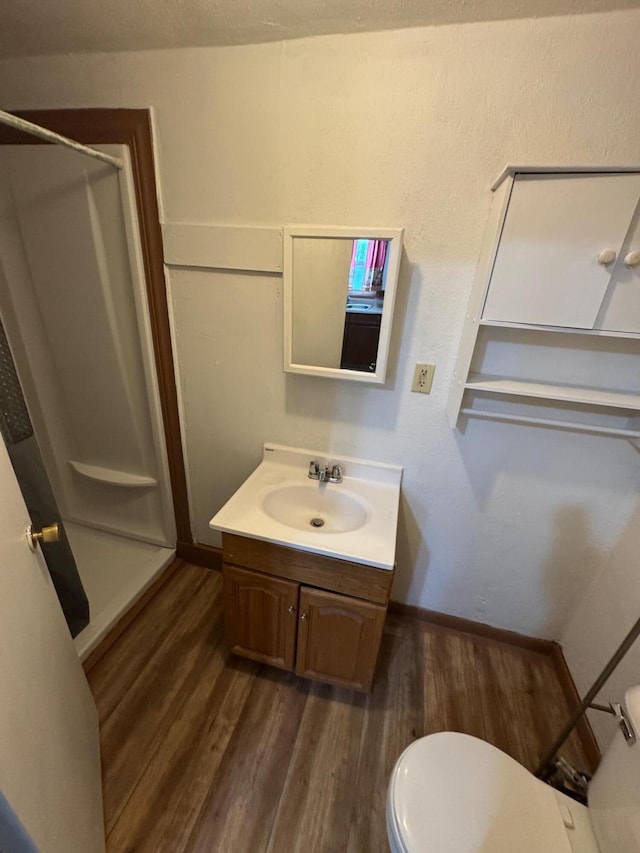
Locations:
{"points": [[50, 533]]}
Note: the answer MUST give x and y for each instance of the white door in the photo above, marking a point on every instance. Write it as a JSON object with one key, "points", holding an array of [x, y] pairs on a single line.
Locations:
{"points": [[546, 270], [49, 747]]}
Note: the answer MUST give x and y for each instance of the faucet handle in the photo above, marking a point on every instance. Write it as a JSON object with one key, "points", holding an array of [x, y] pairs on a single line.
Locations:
{"points": [[336, 473], [314, 468]]}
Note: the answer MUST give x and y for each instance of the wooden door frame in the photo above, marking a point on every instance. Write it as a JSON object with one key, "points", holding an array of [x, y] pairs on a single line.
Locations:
{"points": [[133, 128]]}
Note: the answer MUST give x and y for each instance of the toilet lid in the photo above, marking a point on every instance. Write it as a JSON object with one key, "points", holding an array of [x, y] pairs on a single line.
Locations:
{"points": [[453, 793]]}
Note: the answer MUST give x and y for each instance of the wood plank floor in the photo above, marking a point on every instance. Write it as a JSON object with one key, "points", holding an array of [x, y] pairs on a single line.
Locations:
{"points": [[202, 751]]}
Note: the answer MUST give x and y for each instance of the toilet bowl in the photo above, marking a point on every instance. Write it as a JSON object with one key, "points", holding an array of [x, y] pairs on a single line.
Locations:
{"points": [[453, 793]]}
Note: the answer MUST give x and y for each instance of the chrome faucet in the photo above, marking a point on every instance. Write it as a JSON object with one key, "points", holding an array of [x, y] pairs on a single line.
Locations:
{"points": [[325, 473]]}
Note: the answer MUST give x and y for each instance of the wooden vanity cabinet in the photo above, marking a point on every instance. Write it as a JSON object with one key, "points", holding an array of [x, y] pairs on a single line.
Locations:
{"points": [[317, 631]]}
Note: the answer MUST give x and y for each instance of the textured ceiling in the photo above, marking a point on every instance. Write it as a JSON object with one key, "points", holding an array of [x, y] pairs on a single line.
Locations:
{"points": [[40, 27]]}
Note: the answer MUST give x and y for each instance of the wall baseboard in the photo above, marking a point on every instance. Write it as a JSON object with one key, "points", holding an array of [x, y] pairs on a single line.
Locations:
{"points": [[127, 618], [200, 555], [533, 644], [468, 626]]}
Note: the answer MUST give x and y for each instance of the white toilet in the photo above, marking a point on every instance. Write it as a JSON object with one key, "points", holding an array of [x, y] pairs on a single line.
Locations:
{"points": [[453, 793]]}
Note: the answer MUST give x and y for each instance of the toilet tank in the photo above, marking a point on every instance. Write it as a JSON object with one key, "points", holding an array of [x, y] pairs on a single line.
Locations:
{"points": [[614, 792]]}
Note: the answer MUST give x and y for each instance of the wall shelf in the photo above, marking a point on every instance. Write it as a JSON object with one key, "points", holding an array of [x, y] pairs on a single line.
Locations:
{"points": [[548, 391], [565, 330]]}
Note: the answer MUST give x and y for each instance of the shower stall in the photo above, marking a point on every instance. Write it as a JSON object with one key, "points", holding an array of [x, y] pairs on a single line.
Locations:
{"points": [[73, 304]]}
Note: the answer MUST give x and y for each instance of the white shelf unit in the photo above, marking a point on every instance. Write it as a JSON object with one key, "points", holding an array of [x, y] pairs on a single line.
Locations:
{"points": [[552, 335]]}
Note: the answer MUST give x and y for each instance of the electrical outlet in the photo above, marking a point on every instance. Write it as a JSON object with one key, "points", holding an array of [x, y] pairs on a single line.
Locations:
{"points": [[423, 378]]}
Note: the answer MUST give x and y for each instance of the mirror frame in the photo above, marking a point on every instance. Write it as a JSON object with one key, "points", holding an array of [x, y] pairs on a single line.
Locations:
{"points": [[394, 236]]}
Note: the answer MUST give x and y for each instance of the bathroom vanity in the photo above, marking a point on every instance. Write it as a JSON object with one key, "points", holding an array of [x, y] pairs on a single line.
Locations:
{"points": [[317, 616], [306, 597]]}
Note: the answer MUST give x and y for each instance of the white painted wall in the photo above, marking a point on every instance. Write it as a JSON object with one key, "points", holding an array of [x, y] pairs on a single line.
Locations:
{"points": [[603, 618], [502, 523]]}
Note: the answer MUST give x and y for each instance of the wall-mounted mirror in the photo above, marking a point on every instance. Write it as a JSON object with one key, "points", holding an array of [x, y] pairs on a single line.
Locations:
{"points": [[339, 293]]}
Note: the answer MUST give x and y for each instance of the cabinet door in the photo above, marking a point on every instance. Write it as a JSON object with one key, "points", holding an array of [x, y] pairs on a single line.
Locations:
{"points": [[338, 638], [360, 344], [260, 616], [546, 270], [621, 307]]}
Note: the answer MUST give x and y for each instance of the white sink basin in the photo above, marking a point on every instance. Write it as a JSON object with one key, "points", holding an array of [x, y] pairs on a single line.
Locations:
{"points": [[320, 507], [356, 519]]}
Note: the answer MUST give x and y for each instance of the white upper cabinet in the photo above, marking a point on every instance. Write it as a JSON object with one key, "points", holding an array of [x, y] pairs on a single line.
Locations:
{"points": [[552, 334], [560, 259]]}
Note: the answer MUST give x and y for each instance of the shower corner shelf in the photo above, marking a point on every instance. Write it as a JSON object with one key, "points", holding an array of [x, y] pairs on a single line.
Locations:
{"points": [[552, 333], [111, 476]]}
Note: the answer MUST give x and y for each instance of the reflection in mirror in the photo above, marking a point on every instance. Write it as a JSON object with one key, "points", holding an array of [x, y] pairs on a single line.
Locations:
{"points": [[339, 294]]}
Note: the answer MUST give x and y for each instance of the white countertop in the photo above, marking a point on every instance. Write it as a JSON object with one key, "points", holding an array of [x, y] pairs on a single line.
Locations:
{"points": [[372, 488]]}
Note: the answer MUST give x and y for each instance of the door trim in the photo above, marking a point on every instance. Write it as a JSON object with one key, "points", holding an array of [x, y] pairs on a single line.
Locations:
{"points": [[133, 128]]}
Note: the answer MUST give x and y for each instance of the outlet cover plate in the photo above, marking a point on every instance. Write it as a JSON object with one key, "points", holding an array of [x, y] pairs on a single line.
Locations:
{"points": [[423, 378]]}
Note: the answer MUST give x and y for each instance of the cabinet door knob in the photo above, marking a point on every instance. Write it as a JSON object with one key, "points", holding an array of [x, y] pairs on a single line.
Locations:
{"points": [[606, 256], [292, 609], [303, 616], [632, 259]]}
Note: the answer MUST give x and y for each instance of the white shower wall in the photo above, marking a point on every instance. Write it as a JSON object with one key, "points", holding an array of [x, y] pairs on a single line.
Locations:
{"points": [[74, 309]]}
